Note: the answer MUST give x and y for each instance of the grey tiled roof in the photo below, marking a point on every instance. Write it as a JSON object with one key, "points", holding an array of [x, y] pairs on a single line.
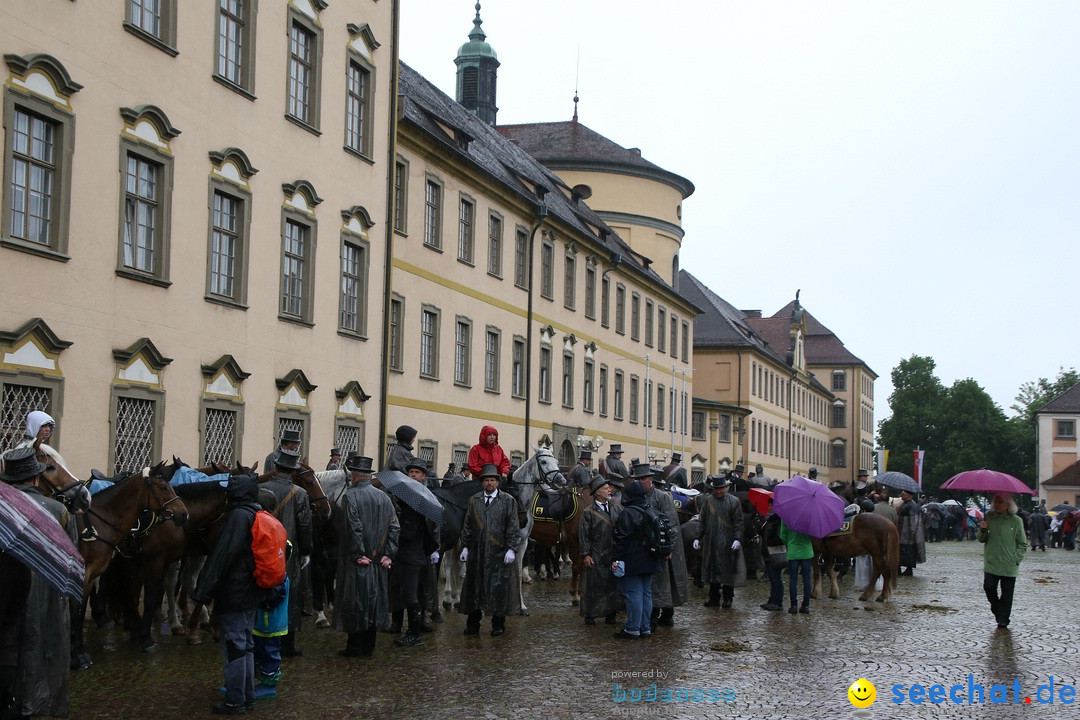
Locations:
{"points": [[475, 142], [1066, 402], [571, 144], [822, 345]]}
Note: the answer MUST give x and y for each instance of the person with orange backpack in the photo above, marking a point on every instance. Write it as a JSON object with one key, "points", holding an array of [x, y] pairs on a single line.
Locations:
{"points": [[228, 580], [271, 548]]}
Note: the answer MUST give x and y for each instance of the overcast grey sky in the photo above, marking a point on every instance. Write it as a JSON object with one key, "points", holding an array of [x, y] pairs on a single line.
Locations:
{"points": [[911, 166]]}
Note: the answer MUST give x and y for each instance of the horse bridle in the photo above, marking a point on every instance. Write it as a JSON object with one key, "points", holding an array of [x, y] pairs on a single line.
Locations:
{"points": [[324, 498], [161, 515], [63, 494], [544, 474]]}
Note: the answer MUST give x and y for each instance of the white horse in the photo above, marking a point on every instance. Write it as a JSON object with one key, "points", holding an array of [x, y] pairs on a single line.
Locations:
{"points": [[541, 468]]}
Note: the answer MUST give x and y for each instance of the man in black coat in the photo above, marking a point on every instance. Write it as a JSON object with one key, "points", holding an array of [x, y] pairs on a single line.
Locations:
{"points": [[228, 580]]}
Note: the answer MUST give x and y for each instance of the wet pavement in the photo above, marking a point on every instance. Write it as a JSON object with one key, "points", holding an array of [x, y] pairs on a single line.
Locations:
{"points": [[740, 663]]}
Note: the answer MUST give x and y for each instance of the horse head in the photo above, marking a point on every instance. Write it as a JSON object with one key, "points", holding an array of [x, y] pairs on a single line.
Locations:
{"points": [[163, 501], [63, 484], [307, 479]]}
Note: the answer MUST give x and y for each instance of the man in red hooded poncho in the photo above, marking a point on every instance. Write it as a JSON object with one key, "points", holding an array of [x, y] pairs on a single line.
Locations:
{"points": [[488, 451]]}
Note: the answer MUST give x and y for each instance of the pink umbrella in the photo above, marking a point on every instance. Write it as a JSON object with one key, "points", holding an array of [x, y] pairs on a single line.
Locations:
{"points": [[975, 513], [986, 481]]}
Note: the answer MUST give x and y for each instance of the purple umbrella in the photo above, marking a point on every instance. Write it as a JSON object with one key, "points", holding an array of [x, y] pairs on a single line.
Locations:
{"points": [[986, 481], [808, 507], [35, 538]]}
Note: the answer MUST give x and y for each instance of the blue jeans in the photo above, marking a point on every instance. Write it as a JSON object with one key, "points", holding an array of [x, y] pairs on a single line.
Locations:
{"points": [[793, 568], [237, 644], [776, 584], [637, 589]]}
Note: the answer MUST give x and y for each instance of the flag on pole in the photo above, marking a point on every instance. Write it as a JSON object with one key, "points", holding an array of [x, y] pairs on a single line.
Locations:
{"points": [[918, 467], [882, 460]]}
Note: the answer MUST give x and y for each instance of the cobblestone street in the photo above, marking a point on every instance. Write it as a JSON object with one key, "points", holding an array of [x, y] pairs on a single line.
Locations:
{"points": [[937, 630]]}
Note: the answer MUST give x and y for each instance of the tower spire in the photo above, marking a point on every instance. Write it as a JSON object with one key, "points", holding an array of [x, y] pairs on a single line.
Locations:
{"points": [[477, 66]]}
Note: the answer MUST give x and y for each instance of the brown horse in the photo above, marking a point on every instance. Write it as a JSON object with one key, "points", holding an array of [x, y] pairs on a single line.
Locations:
{"points": [[871, 534], [549, 533], [140, 500]]}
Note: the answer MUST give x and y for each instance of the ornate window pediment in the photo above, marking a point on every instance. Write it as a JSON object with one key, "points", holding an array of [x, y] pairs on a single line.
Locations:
{"points": [[232, 165], [141, 363], [294, 389], [32, 346], [224, 378], [351, 399]]}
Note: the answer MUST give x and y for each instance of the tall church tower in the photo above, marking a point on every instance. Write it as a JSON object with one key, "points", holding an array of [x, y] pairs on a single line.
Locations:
{"points": [[477, 69]]}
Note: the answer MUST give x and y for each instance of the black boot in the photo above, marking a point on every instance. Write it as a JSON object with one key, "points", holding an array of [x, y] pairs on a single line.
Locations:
{"points": [[729, 595], [288, 646], [653, 618], [498, 625], [412, 637], [714, 596], [368, 646], [472, 623], [667, 617], [396, 618]]}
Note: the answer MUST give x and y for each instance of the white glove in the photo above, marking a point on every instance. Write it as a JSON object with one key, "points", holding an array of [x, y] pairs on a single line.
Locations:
{"points": [[435, 558], [509, 557], [305, 560], [464, 557], [697, 544], [736, 545]]}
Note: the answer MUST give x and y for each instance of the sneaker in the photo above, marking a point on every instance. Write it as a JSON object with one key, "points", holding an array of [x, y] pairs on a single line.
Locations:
{"points": [[642, 636], [623, 635], [805, 610], [793, 610], [726, 605], [265, 691], [771, 607]]}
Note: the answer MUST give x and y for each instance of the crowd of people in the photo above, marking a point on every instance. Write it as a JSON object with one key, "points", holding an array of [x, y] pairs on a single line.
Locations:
{"points": [[380, 571]]}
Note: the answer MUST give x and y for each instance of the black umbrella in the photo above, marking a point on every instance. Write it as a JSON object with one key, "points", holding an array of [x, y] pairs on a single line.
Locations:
{"points": [[897, 480], [414, 494], [1063, 507]]}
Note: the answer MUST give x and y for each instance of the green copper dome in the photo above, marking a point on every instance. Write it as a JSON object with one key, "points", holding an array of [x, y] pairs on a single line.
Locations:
{"points": [[476, 47]]}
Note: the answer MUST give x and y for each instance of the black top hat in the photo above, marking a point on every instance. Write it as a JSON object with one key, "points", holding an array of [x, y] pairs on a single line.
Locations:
{"points": [[615, 448], [642, 470], [358, 463], [864, 473], [418, 463], [489, 470], [739, 467], [600, 481], [288, 435], [585, 455], [715, 482], [812, 473], [21, 464], [658, 477], [676, 457], [335, 451], [288, 459]]}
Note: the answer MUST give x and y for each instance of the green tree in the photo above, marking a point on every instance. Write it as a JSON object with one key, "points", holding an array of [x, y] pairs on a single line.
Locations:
{"points": [[916, 403], [974, 433]]}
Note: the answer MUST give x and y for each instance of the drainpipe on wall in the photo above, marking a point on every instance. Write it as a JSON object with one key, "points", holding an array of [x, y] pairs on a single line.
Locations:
{"points": [[388, 261], [541, 213]]}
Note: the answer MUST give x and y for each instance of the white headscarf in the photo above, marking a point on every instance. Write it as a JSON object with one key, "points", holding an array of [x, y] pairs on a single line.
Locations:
{"points": [[34, 420]]}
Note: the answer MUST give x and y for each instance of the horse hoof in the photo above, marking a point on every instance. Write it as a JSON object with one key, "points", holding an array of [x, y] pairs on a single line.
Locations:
{"points": [[194, 640], [574, 602], [523, 613], [177, 629], [150, 648]]}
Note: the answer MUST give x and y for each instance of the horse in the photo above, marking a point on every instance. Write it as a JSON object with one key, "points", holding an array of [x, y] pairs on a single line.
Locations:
{"points": [[131, 504], [455, 502], [871, 534], [561, 530], [541, 468]]}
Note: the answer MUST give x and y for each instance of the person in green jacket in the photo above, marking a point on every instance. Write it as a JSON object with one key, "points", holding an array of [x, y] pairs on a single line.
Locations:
{"points": [[1002, 533], [800, 554]]}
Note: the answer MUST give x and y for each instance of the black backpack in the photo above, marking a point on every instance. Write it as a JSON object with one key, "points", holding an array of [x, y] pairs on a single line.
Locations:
{"points": [[657, 535]]}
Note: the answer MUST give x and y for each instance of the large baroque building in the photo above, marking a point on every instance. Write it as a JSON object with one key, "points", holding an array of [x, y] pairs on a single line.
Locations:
{"points": [[221, 220], [782, 393], [1057, 448]]}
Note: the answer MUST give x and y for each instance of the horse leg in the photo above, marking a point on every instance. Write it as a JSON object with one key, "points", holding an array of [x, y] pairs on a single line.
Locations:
{"points": [[153, 590], [815, 566], [522, 545], [80, 659], [175, 614]]}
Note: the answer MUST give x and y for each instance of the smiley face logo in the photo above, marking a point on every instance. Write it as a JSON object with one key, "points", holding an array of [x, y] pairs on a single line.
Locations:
{"points": [[862, 693]]}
